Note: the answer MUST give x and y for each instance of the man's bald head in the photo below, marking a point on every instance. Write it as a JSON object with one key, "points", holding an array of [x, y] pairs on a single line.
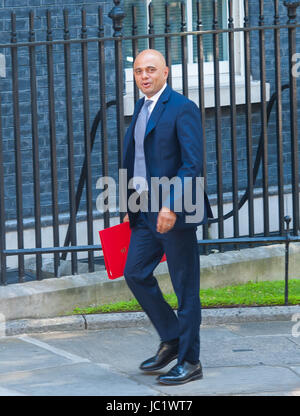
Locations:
{"points": [[150, 71], [154, 53]]}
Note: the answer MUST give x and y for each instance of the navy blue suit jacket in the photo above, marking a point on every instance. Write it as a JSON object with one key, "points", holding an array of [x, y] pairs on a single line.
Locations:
{"points": [[173, 147]]}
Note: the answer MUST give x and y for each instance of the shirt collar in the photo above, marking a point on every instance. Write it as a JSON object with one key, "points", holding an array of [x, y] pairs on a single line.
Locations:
{"points": [[155, 97]]}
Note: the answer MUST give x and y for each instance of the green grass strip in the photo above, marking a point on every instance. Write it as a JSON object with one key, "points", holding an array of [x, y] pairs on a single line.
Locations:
{"points": [[265, 293]]}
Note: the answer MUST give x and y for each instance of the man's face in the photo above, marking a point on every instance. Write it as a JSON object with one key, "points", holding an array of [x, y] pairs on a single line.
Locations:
{"points": [[150, 73]]}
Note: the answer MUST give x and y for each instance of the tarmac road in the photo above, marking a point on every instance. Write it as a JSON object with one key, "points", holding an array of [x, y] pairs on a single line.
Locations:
{"points": [[247, 358]]}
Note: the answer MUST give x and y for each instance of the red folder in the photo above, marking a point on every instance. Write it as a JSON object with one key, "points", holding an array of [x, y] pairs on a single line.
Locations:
{"points": [[115, 242]]}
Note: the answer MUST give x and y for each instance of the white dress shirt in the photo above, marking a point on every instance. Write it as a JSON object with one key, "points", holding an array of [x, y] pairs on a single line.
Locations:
{"points": [[155, 98]]}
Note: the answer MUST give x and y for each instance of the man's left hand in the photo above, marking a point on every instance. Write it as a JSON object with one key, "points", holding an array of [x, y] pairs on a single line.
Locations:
{"points": [[165, 220]]}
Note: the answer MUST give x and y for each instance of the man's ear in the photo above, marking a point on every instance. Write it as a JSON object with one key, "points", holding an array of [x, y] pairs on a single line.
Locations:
{"points": [[166, 72]]}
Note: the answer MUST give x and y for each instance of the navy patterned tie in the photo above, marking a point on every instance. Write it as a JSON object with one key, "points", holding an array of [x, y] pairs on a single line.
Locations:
{"points": [[139, 136]]}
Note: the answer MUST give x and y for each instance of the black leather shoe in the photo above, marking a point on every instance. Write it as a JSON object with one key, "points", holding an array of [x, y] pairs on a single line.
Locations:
{"points": [[167, 352], [181, 374]]}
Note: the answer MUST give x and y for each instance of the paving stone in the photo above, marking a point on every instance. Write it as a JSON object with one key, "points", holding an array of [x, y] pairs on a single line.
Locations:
{"points": [[123, 348], [260, 328], [269, 350], [86, 379], [16, 355]]}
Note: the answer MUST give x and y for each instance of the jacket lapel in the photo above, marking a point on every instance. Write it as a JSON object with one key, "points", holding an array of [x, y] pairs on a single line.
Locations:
{"points": [[158, 110], [155, 115]]}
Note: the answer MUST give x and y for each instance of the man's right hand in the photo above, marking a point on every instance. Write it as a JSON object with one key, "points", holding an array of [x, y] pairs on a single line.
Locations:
{"points": [[126, 218]]}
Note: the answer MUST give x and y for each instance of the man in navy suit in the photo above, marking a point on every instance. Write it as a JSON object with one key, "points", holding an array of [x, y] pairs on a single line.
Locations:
{"points": [[164, 140]]}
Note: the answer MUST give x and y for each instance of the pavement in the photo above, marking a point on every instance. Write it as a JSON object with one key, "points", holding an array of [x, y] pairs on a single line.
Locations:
{"points": [[244, 351]]}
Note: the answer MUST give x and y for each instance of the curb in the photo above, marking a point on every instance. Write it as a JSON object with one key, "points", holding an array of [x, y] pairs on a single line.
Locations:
{"points": [[53, 297], [135, 319]]}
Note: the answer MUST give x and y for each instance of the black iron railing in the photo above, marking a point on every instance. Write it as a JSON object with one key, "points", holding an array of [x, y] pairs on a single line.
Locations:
{"points": [[114, 63]]}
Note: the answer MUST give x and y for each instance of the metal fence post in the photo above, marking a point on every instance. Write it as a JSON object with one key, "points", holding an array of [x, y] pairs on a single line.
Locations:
{"points": [[280, 172], [117, 15], [17, 146], [2, 210], [87, 139], [35, 145], [103, 113], [70, 138], [287, 220], [292, 14], [218, 117], [52, 131]]}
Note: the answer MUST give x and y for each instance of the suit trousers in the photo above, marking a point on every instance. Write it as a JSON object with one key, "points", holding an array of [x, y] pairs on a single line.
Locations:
{"points": [[146, 249]]}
